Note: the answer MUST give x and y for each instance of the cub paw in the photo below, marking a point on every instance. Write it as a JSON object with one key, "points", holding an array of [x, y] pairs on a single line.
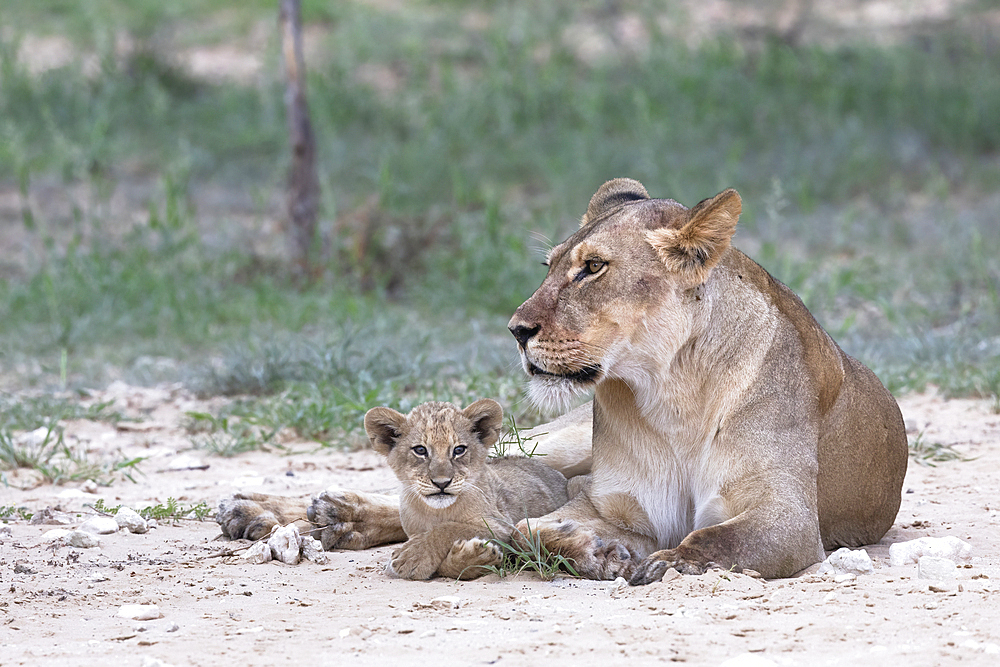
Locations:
{"points": [[413, 560], [590, 556], [243, 518], [469, 559]]}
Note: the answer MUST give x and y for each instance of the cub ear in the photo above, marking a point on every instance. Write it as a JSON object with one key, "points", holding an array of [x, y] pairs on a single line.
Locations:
{"points": [[486, 416], [384, 427], [611, 195], [697, 247]]}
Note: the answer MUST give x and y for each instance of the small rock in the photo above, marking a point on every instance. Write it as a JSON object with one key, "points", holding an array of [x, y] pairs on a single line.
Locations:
{"points": [[185, 462], [618, 587], [100, 525], [151, 524], [284, 543], [128, 519], [446, 602], [949, 547], [846, 561], [70, 494], [845, 577], [258, 553], [81, 539], [140, 612], [90, 486], [54, 534], [50, 517], [312, 549], [929, 567], [748, 660], [149, 661]]}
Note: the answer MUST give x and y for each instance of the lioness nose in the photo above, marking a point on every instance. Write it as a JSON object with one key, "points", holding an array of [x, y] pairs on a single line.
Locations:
{"points": [[441, 484], [523, 334]]}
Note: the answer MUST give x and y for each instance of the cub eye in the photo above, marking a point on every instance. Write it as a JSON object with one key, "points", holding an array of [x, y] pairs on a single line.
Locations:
{"points": [[592, 266], [459, 450], [420, 451]]}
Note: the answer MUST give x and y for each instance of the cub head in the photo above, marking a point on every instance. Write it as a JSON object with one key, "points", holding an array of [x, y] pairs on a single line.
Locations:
{"points": [[438, 450], [623, 292]]}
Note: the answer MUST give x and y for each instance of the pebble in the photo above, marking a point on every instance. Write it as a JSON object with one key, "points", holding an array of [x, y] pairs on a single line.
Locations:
{"points": [[846, 561], [55, 534], [90, 486], [446, 602], [284, 543], [949, 547], [100, 525], [81, 539], [140, 612], [930, 567], [258, 553], [312, 549], [128, 519], [748, 660]]}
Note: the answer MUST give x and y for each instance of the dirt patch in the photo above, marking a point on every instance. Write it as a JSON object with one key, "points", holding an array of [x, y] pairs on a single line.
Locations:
{"points": [[60, 604]]}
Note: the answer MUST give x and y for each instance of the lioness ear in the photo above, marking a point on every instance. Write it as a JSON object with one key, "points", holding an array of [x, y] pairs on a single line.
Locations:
{"points": [[384, 427], [612, 195], [486, 416], [698, 246]]}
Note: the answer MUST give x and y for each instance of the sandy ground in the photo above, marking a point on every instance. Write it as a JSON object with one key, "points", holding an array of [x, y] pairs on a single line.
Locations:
{"points": [[59, 604]]}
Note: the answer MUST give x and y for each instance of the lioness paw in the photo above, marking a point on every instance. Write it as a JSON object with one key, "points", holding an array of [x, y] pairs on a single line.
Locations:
{"points": [[333, 506], [469, 559], [656, 565], [242, 518], [590, 556]]}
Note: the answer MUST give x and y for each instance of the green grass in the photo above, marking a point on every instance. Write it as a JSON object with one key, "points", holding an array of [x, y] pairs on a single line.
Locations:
{"points": [[869, 178]]}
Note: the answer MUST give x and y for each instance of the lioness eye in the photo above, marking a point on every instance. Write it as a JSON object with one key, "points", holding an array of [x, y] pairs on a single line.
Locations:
{"points": [[594, 265], [420, 450], [458, 451]]}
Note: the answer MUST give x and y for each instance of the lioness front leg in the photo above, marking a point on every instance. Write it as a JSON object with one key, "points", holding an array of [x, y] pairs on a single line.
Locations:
{"points": [[596, 548], [775, 539], [355, 519]]}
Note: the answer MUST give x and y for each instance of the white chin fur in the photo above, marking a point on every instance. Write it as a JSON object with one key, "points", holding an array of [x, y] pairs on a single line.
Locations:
{"points": [[440, 502], [553, 394]]}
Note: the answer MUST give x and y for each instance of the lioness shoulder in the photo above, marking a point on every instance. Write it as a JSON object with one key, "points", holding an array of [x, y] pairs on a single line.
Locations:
{"points": [[456, 501]]}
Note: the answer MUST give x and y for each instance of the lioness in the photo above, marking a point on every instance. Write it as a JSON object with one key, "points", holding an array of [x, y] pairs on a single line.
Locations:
{"points": [[727, 427], [455, 499]]}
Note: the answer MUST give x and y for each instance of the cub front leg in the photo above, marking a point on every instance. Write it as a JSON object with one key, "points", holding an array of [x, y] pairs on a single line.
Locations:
{"points": [[355, 519], [424, 553]]}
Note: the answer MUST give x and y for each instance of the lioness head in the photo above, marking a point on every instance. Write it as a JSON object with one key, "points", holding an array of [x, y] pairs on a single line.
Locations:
{"points": [[634, 261], [437, 450]]}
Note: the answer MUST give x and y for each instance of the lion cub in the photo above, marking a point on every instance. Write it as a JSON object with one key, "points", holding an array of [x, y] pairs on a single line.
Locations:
{"points": [[454, 498]]}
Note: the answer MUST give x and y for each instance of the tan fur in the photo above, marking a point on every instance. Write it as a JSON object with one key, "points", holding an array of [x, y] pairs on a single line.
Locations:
{"points": [[728, 427], [455, 501]]}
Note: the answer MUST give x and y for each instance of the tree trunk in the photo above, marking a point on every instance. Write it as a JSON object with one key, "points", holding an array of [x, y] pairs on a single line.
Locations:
{"points": [[303, 184]]}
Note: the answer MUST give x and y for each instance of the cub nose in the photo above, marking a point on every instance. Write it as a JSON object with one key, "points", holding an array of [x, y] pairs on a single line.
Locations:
{"points": [[523, 334], [441, 484]]}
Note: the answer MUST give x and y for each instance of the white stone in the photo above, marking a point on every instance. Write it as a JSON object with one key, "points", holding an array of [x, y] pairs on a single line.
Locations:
{"points": [[312, 549], [930, 567], [140, 612], [130, 520], [100, 525], [82, 540], [446, 602], [846, 561], [90, 486], [949, 547], [258, 553], [284, 543], [748, 660], [54, 534]]}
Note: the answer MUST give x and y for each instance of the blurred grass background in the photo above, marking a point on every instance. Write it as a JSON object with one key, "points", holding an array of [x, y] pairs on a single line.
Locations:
{"points": [[143, 153]]}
